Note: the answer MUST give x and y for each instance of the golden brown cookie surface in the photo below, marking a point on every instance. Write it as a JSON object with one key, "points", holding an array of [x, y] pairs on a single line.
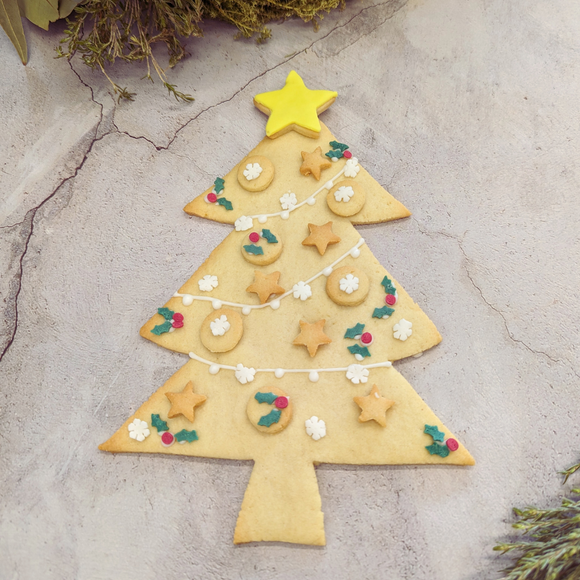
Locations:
{"points": [[321, 237], [269, 410], [312, 336], [313, 163], [265, 285], [262, 248], [255, 173], [346, 198], [221, 330], [374, 407], [347, 286], [185, 402]]}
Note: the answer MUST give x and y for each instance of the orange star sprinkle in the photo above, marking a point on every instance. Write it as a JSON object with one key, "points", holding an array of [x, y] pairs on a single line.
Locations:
{"points": [[321, 237], [312, 336], [374, 407], [185, 402], [313, 163], [264, 285]]}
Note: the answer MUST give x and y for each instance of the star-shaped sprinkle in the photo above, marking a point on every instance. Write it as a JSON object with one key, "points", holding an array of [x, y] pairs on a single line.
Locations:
{"points": [[185, 402], [433, 430], [265, 284], [321, 237], [294, 107], [313, 163], [374, 407], [312, 336]]}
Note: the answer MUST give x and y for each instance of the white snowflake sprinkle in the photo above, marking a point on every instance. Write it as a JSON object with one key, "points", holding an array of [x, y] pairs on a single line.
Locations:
{"points": [[244, 374], [220, 325], [351, 168], [243, 223], [315, 427], [344, 193], [252, 171], [288, 201], [349, 284], [302, 291], [357, 374], [138, 430], [403, 329], [207, 283]]}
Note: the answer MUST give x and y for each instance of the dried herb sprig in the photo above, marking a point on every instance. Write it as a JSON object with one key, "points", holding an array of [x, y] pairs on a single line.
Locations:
{"points": [[551, 545], [102, 31]]}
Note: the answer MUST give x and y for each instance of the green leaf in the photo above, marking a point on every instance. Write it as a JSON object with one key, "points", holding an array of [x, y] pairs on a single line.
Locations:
{"points": [[388, 286], [40, 12], [433, 430], [166, 313], [272, 417], [184, 435], [227, 204], [251, 249], [358, 349], [218, 185], [158, 423], [12, 24], [340, 146], [383, 312], [65, 7], [438, 449], [161, 328], [272, 239], [334, 153], [265, 398], [355, 331]]}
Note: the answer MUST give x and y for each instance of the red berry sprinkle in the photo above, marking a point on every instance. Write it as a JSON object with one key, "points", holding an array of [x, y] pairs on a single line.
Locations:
{"points": [[254, 237], [452, 444], [366, 338], [347, 154], [167, 439], [390, 299], [178, 317], [211, 197], [281, 402]]}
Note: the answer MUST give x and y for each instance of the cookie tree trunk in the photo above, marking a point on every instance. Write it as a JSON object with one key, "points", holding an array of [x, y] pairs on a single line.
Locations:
{"points": [[281, 503]]}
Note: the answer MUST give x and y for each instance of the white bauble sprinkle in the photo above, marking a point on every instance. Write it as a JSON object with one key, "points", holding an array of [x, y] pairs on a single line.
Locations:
{"points": [[355, 253], [187, 300], [313, 376], [285, 215], [311, 201], [327, 271], [262, 219], [246, 310], [275, 304], [279, 373], [214, 369], [329, 184], [217, 304]]}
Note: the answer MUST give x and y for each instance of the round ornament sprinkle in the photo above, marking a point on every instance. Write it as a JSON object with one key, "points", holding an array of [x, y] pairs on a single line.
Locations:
{"points": [[254, 237], [347, 154], [211, 197], [390, 299]]}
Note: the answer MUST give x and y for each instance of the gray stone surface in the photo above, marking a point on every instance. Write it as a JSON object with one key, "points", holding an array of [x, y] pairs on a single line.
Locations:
{"points": [[467, 112]]}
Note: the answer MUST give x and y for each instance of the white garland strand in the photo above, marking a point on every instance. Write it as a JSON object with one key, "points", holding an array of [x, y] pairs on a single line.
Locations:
{"points": [[313, 374], [187, 299]]}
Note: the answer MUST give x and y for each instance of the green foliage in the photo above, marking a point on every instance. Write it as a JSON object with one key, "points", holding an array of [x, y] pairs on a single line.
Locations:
{"points": [[158, 423], [256, 250], [12, 25], [185, 435], [218, 185], [383, 312], [265, 398], [166, 313], [272, 239], [272, 417], [102, 31], [388, 286], [225, 203], [550, 548], [360, 350], [355, 331], [433, 430]]}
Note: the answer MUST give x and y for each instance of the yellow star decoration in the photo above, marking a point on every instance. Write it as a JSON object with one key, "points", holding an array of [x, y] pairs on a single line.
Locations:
{"points": [[312, 336], [185, 402], [294, 108], [374, 407], [264, 285]]}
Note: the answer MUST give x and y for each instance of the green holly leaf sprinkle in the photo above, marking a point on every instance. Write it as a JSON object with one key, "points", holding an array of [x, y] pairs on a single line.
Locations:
{"points": [[383, 312], [335, 153], [227, 204], [184, 435], [272, 417], [272, 239], [433, 430], [355, 331], [161, 328], [251, 249], [388, 286], [265, 398], [166, 313], [158, 423], [358, 349], [438, 449], [218, 185], [336, 145]]}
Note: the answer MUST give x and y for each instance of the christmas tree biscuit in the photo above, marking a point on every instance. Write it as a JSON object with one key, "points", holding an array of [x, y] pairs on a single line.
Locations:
{"points": [[293, 354]]}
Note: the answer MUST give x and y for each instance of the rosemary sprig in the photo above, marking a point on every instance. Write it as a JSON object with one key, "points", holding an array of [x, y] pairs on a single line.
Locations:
{"points": [[550, 548]]}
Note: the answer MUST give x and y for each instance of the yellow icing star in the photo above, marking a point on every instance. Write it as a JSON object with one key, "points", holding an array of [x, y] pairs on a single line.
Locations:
{"points": [[294, 108]]}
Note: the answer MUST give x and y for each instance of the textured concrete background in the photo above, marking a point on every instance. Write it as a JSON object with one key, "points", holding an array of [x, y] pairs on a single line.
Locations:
{"points": [[467, 111]]}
